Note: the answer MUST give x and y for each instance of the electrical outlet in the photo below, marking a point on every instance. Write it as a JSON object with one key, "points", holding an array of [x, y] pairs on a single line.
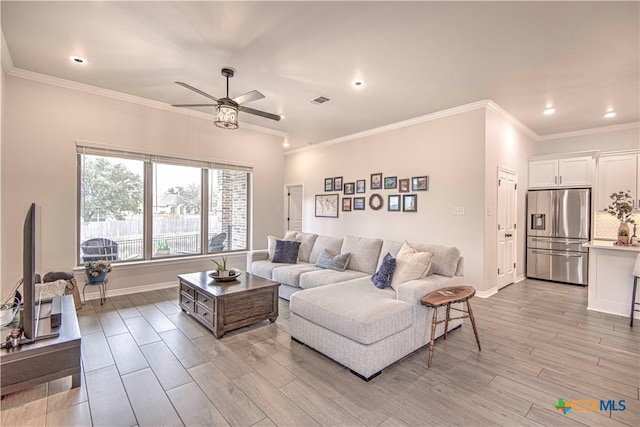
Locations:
{"points": [[458, 211]]}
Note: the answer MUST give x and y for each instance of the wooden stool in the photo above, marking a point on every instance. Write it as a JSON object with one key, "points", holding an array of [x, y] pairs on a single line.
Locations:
{"points": [[448, 296], [636, 277]]}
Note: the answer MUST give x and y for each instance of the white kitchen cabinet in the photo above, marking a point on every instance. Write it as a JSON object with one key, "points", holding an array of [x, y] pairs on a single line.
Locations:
{"points": [[618, 173], [561, 172]]}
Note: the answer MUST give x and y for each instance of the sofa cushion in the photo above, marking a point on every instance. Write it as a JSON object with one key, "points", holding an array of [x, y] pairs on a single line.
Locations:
{"points": [[355, 310], [323, 277], [290, 274], [410, 265], [364, 253], [384, 275], [271, 241], [332, 244], [333, 262], [445, 258], [286, 252], [264, 268], [307, 241]]}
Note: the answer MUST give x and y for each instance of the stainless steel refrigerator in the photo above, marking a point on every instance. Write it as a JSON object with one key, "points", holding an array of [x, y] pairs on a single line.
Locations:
{"points": [[558, 224]]}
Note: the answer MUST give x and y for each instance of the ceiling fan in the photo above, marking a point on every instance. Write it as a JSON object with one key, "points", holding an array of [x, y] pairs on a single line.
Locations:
{"points": [[227, 108]]}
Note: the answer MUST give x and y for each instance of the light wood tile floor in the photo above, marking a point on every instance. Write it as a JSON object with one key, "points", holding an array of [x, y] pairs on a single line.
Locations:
{"points": [[147, 363]]}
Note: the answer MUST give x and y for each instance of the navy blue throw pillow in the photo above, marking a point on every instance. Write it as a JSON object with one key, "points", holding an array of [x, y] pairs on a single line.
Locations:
{"points": [[286, 252], [384, 275]]}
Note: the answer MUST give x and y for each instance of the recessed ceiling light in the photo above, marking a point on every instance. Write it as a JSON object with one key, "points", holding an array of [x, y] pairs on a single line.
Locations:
{"points": [[358, 84], [549, 111], [609, 114], [77, 59], [286, 144], [282, 117]]}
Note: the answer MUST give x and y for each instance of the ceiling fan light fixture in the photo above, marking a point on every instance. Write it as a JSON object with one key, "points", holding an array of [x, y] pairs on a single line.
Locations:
{"points": [[226, 117]]}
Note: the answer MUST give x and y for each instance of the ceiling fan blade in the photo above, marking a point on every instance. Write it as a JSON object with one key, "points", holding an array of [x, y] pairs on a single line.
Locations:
{"points": [[260, 113], [194, 105], [196, 90], [254, 95]]}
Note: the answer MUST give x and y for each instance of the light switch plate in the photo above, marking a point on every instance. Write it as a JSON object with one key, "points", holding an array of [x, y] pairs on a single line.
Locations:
{"points": [[458, 211]]}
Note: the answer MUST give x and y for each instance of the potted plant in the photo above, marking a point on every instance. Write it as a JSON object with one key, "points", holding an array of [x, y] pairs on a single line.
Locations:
{"points": [[97, 270], [162, 248], [221, 267], [622, 209]]}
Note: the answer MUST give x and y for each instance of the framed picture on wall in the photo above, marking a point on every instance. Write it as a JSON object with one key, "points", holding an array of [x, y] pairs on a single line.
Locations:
{"points": [[390, 182], [337, 183], [410, 203], [361, 186], [420, 183], [346, 204], [349, 188], [376, 181], [327, 205], [393, 204], [358, 203], [328, 184], [403, 185]]}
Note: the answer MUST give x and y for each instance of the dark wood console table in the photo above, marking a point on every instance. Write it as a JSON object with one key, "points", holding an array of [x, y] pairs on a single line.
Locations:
{"points": [[47, 359], [223, 306]]}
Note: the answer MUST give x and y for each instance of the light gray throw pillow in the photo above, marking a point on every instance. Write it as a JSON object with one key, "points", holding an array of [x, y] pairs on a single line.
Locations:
{"points": [[333, 262]]}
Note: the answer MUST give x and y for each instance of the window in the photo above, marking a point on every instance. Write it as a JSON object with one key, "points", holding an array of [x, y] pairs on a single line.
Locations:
{"points": [[111, 208], [141, 206], [177, 202]]}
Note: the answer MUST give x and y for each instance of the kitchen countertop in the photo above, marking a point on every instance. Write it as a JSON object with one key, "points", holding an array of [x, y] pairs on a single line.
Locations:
{"points": [[609, 244]]}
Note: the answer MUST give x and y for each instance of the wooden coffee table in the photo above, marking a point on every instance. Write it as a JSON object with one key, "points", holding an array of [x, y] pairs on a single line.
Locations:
{"points": [[223, 306]]}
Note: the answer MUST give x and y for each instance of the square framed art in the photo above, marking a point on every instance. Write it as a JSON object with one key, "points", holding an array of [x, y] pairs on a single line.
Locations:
{"points": [[376, 181], [410, 203], [420, 183], [404, 185], [349, 188], [327, 205], [337, 183], [393, 203], [358, 203], [390, 182], [328, 184], [346, 204]]}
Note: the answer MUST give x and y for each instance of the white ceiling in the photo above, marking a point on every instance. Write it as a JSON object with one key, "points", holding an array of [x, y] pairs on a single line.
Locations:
{"points": [[416, 57]]}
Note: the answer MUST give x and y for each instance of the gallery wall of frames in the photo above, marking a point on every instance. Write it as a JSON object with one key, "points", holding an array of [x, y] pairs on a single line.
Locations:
{"points": [[399, 195]]}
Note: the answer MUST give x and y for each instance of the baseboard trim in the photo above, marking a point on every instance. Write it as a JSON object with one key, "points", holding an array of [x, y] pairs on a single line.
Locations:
{"points": [[520, 278], [487, 294], [134, 290]]}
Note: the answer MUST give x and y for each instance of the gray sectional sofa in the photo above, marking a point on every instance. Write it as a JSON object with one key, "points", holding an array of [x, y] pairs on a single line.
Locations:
{"points": [[344, 315]]}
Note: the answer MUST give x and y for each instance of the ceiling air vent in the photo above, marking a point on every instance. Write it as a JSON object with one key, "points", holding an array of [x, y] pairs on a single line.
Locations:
{"points": [[319, 100]]}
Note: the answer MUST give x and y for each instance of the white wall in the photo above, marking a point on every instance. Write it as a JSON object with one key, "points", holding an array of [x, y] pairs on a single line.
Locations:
{"points": [[449, 150], [43, 123], [509, 147], [607, 140]]}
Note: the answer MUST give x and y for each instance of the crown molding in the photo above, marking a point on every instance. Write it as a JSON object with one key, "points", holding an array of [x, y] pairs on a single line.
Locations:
{"points": [[398, 125], [492, 106], [7, 61], [591, 131], [108, 93]]}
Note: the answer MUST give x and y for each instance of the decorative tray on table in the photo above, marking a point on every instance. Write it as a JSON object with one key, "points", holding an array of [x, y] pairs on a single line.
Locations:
{"points": [[233, 275]]}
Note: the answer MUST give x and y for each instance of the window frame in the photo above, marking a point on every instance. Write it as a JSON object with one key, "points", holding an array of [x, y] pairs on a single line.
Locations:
{"points": [[149, 159]]}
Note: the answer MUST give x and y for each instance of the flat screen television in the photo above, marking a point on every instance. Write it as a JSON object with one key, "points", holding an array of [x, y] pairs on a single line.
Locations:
{"points": [[29, 260]]}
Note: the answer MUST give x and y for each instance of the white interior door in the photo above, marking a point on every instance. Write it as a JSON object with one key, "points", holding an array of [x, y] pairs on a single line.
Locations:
{"points": [[507, 224], [294, 207]]}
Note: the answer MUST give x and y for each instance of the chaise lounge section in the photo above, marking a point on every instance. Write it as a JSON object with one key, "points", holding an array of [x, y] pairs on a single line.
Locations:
{"points": [[343, 315]]}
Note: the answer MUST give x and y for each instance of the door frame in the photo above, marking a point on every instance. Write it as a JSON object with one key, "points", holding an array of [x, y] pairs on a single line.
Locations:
{"points": [[503, 169], [285, 216]]}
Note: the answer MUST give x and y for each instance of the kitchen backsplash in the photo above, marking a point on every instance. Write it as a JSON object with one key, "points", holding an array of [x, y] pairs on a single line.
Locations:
{"points": [[606, 225]]}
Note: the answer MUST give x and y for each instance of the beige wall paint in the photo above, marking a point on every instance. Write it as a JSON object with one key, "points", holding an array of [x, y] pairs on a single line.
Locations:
{"points": [[450, 150], [508, 147], [625, 139], [43, 123]]}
